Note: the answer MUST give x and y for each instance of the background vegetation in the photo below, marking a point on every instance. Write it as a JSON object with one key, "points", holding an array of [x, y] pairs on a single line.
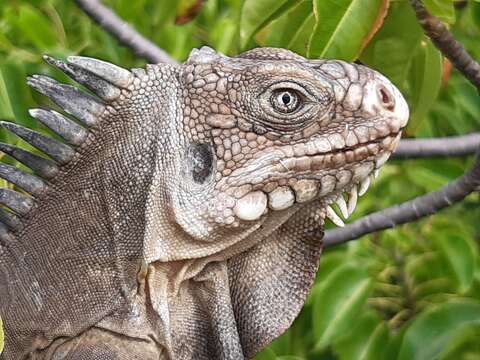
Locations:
{"points": [[408, 293]]}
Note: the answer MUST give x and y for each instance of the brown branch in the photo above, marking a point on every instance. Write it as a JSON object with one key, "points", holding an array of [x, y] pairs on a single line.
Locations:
{"points": [[438, 147], [409, 211], [446, 43], [124, 33]]}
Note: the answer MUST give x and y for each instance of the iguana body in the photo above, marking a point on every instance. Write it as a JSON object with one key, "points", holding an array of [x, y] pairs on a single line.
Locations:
{"points": [[185, 219]]}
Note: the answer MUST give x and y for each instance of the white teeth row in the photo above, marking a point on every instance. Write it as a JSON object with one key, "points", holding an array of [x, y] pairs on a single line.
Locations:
{"points": [[347, 208], [253, 205]]}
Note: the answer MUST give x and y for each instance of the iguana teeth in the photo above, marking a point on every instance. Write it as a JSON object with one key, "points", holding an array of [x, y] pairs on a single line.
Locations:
{"points": [[281, 198], [43, 167], [342, 205], [58, 151], [382, 159], [364, 185], [112, 73], [66, 128], [251, 206], [332, 215], [27, 182], [352, 199], [84, 107], [305, 190]]}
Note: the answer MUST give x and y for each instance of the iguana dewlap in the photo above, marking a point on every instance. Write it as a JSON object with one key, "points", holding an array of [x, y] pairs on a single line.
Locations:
{"points": [[182, 217]]}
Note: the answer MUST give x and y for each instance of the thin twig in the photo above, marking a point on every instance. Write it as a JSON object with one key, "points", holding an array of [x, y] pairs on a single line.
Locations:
{"points": [[446, 43], [409, 211], [438, 147], [124, 33]]}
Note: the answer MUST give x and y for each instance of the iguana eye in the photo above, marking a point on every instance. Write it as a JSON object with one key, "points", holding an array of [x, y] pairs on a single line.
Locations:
{"points": [[285, 100]]}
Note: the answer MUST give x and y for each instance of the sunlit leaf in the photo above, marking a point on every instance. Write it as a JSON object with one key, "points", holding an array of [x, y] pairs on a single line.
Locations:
{"points": [[283, 32], [429, 334], [339, 23], [460, 253], [366, 341], [223, 35], [465, 344], [17, 91], [266, 354], [256, 14], [425, 81], [338, 303], [36, 27], [392, 49], [443, 9]]}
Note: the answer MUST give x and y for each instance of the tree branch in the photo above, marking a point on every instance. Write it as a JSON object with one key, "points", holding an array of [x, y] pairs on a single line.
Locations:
{"points": [[446, 43], [409, 211], [438, 147], [124, 33]]}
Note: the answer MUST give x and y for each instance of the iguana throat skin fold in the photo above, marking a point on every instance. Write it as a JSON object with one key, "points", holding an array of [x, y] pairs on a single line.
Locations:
{"points": [[183, 219]]}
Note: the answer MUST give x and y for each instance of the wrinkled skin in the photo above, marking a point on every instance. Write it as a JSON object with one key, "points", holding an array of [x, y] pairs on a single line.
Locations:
{"points": [[189, 224]]}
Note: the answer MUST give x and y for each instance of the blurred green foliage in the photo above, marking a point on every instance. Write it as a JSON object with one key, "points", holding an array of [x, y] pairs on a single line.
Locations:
{"points": [[408, 293]]}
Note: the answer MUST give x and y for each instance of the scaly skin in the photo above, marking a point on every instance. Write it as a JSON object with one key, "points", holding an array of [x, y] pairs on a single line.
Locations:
{"points": [[188, 223]]}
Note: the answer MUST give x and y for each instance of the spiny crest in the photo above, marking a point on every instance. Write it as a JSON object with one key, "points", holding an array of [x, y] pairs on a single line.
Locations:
{"points": [[106, 81]]}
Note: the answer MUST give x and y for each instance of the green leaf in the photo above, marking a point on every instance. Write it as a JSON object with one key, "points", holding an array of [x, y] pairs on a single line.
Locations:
{"points": [[17, 91], [366, 340], [266, 354], [430, 332], [256, 14], [443, 9], [36, 27], [425, 81], [341, 27], [299, 42], [460, 253], [282, 31], [393, 48], [475, 13], [223, 35], [338, 303], [464, 345]]}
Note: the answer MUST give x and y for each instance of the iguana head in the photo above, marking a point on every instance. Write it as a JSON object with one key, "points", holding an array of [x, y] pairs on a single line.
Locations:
{"points": [[176, 218], [271, 130]]}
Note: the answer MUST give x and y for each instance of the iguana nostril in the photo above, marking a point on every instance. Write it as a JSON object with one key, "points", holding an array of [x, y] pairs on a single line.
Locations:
{"points": [[386, 97]]}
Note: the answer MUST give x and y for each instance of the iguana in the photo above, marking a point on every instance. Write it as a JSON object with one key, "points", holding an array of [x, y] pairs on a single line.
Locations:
{"points": [[182, 216]]}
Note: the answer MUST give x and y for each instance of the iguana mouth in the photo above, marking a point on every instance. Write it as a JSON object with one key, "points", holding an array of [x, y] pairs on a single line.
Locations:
{"points": [[332, 159], [309, 181]]}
